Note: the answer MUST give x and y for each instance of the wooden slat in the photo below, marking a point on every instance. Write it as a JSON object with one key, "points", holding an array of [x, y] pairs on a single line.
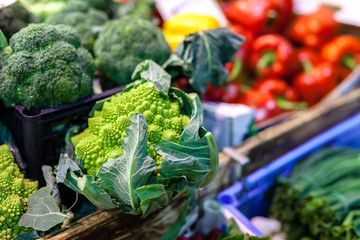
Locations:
{"points": [[115, 225]]}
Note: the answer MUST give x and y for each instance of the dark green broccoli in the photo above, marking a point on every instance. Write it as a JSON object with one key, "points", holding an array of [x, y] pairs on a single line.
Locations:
{"points": [[100, 4], [47, 67], [140, 8], [83, 18], [15, 17], [124, 43]]}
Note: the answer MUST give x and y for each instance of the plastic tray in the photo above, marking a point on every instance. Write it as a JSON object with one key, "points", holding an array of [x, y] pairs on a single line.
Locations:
{"points": [[247, 199], [38, 133]]}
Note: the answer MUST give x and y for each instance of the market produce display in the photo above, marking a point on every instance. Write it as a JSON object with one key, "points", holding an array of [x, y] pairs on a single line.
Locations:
{"points": [[144, 148], [47, 66], [83, 18], [143, 145], [321, 198], [14, 191], [15, 17], [124, 43], [305, 53]]}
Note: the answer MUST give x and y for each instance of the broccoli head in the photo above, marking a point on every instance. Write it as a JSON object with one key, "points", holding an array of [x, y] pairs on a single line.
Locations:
{"points": [[124, 43], [15, 17], [107, 127], [47, 67], [79, 15], [14, 192]]}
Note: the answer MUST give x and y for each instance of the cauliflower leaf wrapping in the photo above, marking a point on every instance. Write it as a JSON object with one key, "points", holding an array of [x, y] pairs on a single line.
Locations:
{"points": [[144, 148], [47, 67]]}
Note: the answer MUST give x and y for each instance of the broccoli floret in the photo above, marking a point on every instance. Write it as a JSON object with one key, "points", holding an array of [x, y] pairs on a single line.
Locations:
{"points": [[48, 67], [14, 191], [15, 17], [79, 15], [140, 8], [101, 4], [124, 43], [107, 130]]}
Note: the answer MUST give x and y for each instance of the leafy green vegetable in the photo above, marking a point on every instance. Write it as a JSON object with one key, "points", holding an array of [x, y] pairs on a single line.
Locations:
{"points": [[121, 176], [70, 174], [152, 72], [202, 56], [79, 15], [43, 212], [124, 43], [152, 197], [146, 175], [321, 192], [47, 67]]}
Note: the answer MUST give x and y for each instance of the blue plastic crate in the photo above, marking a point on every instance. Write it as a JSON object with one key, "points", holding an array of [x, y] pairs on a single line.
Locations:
{"points": [[249, 201]]}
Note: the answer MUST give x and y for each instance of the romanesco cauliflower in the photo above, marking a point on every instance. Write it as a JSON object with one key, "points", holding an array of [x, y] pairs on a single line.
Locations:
{"points": [[107, 127], [14, 191]]}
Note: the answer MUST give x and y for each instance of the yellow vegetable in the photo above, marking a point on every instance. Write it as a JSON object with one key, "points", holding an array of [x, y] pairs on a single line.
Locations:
{"points": [[180, 25]]}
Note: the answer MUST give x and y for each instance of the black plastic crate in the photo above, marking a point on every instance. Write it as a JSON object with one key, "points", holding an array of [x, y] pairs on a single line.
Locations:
{"points": [[40, 133]]}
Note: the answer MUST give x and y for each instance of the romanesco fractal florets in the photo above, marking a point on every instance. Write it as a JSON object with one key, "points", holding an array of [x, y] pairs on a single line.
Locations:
{"points": [[107, 127], [14, 191]]}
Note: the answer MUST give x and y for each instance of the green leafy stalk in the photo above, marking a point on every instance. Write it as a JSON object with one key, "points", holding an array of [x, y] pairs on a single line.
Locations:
{"points": [[321, 192], [122, 176]]}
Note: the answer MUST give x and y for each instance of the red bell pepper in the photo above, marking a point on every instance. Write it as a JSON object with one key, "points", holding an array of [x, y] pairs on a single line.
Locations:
{"points": [[343, 51], [314, 29], [260, 16], [315, 83], [308, 55], [244, 49], [264, 104], [277, 87], [230, 93], [240, 63], [272, 56], [305, 58]]}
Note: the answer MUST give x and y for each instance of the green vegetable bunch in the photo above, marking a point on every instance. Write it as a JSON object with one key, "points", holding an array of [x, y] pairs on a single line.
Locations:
{"points": [[14, 191], [322, 191], [145, 147], [83, 18], [15, 17], [47, 67], [102, 140], [124, 43]]}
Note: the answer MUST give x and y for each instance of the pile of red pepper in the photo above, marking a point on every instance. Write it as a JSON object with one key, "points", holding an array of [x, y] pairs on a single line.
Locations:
{"points": [[286, 60]]}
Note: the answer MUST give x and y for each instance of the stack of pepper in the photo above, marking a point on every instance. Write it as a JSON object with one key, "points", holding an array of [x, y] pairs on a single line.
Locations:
{"points": [[286, 62]]}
